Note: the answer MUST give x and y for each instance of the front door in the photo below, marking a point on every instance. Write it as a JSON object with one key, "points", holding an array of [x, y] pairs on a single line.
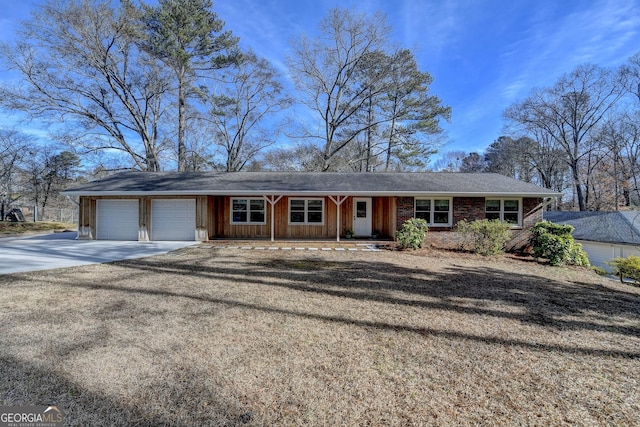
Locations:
{"points": [[362, 216]]}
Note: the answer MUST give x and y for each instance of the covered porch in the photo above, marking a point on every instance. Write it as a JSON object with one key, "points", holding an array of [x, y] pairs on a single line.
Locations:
{"points": [[284, 217]]}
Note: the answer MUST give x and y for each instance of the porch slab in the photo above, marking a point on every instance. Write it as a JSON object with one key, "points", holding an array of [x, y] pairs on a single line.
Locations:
{"points": [[308, 246]]}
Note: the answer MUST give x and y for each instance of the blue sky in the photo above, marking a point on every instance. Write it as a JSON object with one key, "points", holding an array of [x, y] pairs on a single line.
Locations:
{"points": [[483, 55]]}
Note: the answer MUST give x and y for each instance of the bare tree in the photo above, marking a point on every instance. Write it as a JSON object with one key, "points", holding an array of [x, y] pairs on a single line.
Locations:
{"points": [[243, 110], [620, 135], [449, 161], [325, 71], [626, 128], [300, 158], [47, 172], [14, 147], [78, 60], [630, 77], [569, 112], [363, 125]]}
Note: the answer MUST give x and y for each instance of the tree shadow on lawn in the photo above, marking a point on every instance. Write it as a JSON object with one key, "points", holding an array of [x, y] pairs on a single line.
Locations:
{"points": [[177, 398], [527, 298], [540, 301]]}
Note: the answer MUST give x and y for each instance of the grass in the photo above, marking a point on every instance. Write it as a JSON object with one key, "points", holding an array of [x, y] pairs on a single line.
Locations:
{"points": [[231, 337], [8, 228]]}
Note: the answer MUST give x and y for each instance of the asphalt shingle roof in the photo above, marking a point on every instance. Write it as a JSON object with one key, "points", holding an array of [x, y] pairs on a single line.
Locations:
{"points": [[606, 227], [259, 183]]}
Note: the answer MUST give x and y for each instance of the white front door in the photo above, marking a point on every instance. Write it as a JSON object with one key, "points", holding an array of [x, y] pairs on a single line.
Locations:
{"points": [[362, 216]]}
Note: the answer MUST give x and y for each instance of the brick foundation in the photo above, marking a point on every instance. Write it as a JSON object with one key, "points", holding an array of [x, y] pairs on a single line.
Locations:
{"points": [[443, 239]]}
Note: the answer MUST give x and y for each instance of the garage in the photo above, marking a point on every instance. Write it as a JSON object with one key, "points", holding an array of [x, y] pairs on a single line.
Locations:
{"points": [[117, 219], [173, 219], [599, 253]]}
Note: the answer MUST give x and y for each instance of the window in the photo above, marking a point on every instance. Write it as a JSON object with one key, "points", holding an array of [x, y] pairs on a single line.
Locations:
{"points": [[247, 211], [507, 210], [437, 212], [361, 209], [441, 211], [306, 211], [423, 209]]}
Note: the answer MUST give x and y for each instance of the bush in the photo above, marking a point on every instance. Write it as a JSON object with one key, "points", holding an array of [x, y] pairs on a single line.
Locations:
{"points": [[485, 237], [598, 270], [627, 267], [555, 242], [412, 234], [577, 255]]}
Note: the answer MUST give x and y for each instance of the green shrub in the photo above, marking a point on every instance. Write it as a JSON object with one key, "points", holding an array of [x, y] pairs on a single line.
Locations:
{"points": [[555, 242], [627, 267], [485, 237], [577, 255], [412, 234], [599, 270]]}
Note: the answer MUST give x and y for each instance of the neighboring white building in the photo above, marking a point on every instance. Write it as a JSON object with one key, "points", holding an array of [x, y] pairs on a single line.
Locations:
{"points": [[603, 235]]}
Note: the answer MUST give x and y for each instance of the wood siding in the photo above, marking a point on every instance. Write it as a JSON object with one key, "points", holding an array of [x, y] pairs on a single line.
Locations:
{"points": [[219, 221], [213, 217], [384, 216]]}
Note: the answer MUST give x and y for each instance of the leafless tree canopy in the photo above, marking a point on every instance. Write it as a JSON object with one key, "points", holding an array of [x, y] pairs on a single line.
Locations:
{"points": [[238, 107], [164, 86], [78, 61], [351, 82], [569, 113]]}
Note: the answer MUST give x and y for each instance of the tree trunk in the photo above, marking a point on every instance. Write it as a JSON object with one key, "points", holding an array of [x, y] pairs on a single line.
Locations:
{"points": [[369, 131], [151, 160], [392, 129], [578, 186], [328, 146], [626, 194], [182, 148]]}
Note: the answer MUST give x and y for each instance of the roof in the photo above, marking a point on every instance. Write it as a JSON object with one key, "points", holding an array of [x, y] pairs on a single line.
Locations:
{"points": [[607, 227], [308, 183]]}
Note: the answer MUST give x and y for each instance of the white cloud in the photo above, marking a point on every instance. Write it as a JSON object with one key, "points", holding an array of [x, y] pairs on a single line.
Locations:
{"points": [[554, 45]]}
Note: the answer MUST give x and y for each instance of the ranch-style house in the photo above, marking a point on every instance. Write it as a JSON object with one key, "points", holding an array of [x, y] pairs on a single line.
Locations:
{"points": [[203, 206]]}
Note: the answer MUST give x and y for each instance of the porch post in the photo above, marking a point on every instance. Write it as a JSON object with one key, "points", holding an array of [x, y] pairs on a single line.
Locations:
{"points": [[338, 202], [272, 200]]}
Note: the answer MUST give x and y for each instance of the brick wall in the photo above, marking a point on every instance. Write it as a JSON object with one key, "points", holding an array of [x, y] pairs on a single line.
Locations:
{"points": [[471, 208], [404, 209]]}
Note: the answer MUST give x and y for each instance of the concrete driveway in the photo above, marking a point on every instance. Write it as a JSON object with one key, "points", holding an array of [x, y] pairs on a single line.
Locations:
{"points": [[43, 252]]}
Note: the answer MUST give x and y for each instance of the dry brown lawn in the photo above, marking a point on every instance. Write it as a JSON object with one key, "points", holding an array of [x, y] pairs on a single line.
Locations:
{"points": [[16, 228], [230, 337]]}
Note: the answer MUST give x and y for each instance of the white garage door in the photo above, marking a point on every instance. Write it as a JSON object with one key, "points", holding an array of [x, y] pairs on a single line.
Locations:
{"points": [[117, 219], [599, 253], [173, 219]]}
